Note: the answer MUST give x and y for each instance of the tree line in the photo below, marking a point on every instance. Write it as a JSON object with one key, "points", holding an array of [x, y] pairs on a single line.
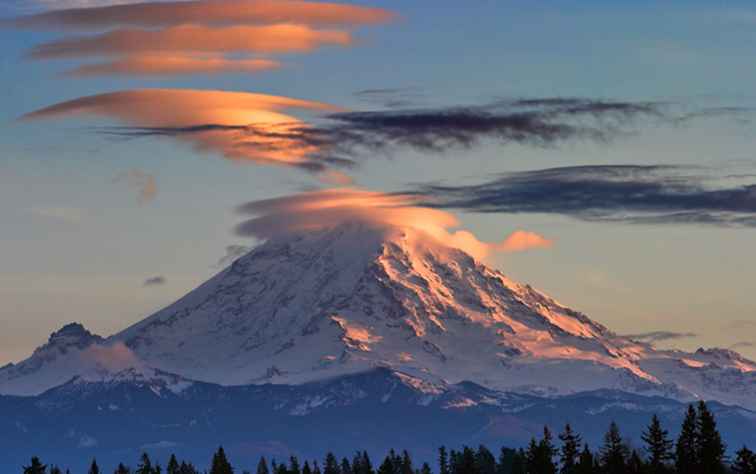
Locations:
{"points": [[698, 449]]}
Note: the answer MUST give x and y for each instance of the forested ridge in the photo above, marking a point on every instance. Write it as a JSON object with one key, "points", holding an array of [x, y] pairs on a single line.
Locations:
{"points": [[698, 449]]}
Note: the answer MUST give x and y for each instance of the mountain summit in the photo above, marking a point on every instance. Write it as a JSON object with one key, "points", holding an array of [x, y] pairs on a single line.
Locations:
{"points": [[319, 304]]}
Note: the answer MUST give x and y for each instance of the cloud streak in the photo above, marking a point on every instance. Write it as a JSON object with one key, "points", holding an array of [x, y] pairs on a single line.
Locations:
{"points": [[154, 281], [651, 194], [168, 37], [328, 208], [182, 113], [660, 336], [152, 64], [210, 13], [345, 137], [233, 252], [282, 38]]}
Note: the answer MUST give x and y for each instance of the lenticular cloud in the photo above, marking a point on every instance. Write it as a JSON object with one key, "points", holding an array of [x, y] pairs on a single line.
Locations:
{"points": [[323, 209]]}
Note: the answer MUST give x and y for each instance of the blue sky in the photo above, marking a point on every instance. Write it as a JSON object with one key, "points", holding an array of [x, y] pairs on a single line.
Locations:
{"points": [[76, 245]]}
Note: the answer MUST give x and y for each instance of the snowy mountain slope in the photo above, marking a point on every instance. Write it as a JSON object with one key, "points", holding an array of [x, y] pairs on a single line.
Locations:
{"points": [[311, 306]]}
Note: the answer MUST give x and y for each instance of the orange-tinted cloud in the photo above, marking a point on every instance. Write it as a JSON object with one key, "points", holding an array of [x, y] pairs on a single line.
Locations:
{"points": [[170, 64], [521, 240], [203, 12], [323, 209], [228, 113], [280, 38]]}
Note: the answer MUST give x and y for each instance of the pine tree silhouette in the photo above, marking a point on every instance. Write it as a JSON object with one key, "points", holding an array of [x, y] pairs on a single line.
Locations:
{"points": [[570, 451], [173, 465], [485, 462], [220, 464], [686, 449], [586, 463], [121, 469], [745, 462], [443, 461], [262, 466], [331, 465], [658, 446], [614, 452], [711, 449], [36, 467], [94, 468], [145, 465]]}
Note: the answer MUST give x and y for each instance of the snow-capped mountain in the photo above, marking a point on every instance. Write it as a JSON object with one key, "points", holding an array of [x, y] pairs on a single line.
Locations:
{"points": [[310, 306]]}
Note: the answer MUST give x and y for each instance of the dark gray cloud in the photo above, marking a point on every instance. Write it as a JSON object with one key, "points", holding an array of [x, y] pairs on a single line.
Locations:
{"points": [[154, 281], [660, 336], [232, 253], [340, 138], [653, 194]]}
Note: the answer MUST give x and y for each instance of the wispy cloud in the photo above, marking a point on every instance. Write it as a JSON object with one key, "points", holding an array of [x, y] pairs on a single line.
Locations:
{"points": [[173, 37], [201, 12], [154, 281], [233, 252], [653, 194], [344, 137], [660, 336], [193, 39], [173, 64], [143, 182]]}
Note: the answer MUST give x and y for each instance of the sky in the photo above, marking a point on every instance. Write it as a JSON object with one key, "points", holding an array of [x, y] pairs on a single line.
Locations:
{"points": [[621, 133]]}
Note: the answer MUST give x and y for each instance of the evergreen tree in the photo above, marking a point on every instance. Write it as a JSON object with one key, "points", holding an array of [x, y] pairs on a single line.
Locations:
{"points": [[306, 468], [220, 464], [55, 470], [145, 465], [406, 464], [443, 461], [586, 463], [36, 467], [570, 451], [294, 465], [346, 468], [506, 462], [331, 465], [635, 464], [658, 446], [262, 466], [387, 466], [425, 469], [466, 464], [121, 469], [485, 462], [710, 448], [94, 468], [686, 450], [157, 469], [613, 453], [531, 457], [173, 465], [361, 463], [745, 462], [518, 462]]}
